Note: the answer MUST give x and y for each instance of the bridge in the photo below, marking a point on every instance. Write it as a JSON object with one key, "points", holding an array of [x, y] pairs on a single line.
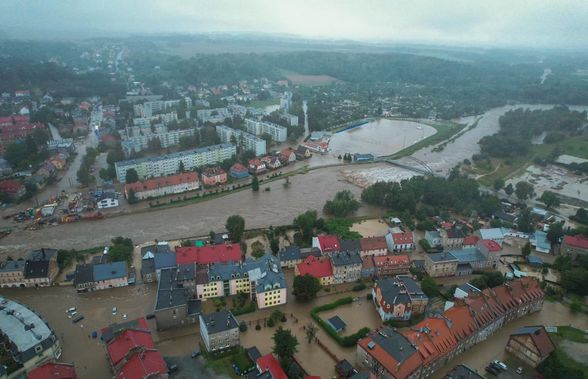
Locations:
{"points": [[420, 167]]}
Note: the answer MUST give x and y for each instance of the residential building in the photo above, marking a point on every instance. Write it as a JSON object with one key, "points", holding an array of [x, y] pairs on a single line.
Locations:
{"points": [[495, 234], [238, 171], [440, 264], [110, 275], [137, 138], [452, 238], [391, 300], [375, 246], [434, 239], [288, 155], [41, 268], [277, 132], [256, 166], [389, 354], [28, 341], [302, 152], [214, 175], [246, 141], [417, 296], [389, 265], [346, 266], [574, 245], [214, 116], [368, 269], [327, 244], [530, 344], [162, 186], [13, 188], [293, 255], [400, 241], [219, 330], [350, 245], [132, 354], [318, 268], [204, 255], [107, 200], [12, 274], [470, 241], [53, 370], [269, 368], [174, 305], [540, 242], [65, 145], [15, 129], [271, 162], [465, 290], [168, 164]]}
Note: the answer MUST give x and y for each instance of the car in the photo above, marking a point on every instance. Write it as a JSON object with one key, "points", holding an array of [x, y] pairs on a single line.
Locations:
{"points": [[172, 368], [77, 319], [492, 370], [519, 370], [124, 316], [72, 314], [502, 365], [114, 310], [195, 354], [70, 310], [496, 366]]}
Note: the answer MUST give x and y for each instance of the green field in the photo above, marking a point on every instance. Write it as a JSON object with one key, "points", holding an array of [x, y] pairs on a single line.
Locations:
{"points": [[263, 103], [444, 132]]}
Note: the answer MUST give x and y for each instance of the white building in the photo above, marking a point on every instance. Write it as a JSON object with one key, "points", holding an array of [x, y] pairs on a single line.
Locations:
{"points": [[168, 164], [162, 186], [247, 140], [219, 330], [277, 132], [108, 200], [215, 116], [138, 140]]}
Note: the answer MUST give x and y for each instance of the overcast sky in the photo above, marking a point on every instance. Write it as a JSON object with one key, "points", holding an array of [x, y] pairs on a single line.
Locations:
{"points": [[545, 23]]}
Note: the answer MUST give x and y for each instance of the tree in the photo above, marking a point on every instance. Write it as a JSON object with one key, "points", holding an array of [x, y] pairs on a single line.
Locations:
{"points": [[555, 232], [508, 189], [430, 287], [181, 167], [285, 346], [342, 205], [525, 221], [121, 250], [257, 249], [131, 176], [499, 184], [310, 331], [235, 225], [132, 197], [275, 245], [550, 199], [425, 245], [306, 287], [255, 184], [306, 223], [526, 249], [524, 190]]}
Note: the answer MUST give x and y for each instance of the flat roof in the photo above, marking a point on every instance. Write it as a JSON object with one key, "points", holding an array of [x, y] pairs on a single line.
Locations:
{"points": [[217, 322], [179, 154], [16, 321]]}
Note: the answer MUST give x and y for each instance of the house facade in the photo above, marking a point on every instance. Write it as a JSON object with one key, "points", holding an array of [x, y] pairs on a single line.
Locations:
{"points": [[389, 265], [440, 264], [375, 246], [403, 241], [318, 268], [219, 330], [213, 176], [162, 186], [574, 245], [531, 344], [346, 266]]}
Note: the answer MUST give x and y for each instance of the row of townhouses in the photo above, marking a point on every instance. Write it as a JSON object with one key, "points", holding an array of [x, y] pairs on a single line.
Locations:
{"points": [[39, 269]]}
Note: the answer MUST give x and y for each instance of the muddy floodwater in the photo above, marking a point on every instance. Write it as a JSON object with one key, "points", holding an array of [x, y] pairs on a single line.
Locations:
{"points": [[278, 206]]}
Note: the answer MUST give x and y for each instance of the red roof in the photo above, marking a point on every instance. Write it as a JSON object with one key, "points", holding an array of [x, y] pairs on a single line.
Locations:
{"points": [[256, 163], [373, 243], [491, 245], [143, 365], [163, 181], [462, 322], [578, 241], [53, 370], [403, 238], [328, 243], [213, 171], [391, 260], [270, 363], [208, 254], [10, 186], [470, 240], [238, 167], [315, 267], [119, 347]]}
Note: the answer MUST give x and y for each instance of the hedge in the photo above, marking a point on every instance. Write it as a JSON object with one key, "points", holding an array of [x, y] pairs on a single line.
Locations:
{"points": [[347, 341]]}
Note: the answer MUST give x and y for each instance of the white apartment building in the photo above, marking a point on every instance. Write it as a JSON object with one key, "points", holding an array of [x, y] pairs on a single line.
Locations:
{"points": [[278, 133], [247, 140], [168, 164], [139, 140], [149, 108]]}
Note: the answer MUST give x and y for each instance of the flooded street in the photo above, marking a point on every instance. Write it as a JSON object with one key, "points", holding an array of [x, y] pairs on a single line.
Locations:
{"points": [[553, 314], [278, 206]]}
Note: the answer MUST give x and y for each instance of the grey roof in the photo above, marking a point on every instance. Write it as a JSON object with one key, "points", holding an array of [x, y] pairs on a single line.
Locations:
{"points": [[350, 245], [169, 294], [36, 269], [463, 372], [194, 307], [505, 216], [361, 375], [394, 343], [161, 247], [107, 271], [412, 287], [468, 255], [84, 274], [253, 353], [186, 272], [268, 274], [147, 266], [455, 233], [10, 266], [442, 257], [393, 292], [164, 260], [526, 330], [337, 323], [179, 154], [491, 234], [346, 258], [290, 253], [432, 235], [24, 329], [219, 321], [468, 288], [42, 254]]}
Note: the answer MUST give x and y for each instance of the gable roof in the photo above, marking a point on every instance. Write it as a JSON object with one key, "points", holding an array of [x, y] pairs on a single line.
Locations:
{"points": [[391, 260], [403, 238], [328, 243], [373, 243], [118, 348], [269, 363], [319, 268], [351, 245], [143, 365], [540, 338], [346, 258], [578, 241], [223, 253], [108, 271], [162, 182], [470, 240], [53, 370], [491, 245]]}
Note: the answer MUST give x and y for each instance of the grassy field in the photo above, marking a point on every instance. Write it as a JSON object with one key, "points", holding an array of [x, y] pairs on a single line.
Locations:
{"points": [[308, 80], [444, 132], [570, 333], [263, 103]]}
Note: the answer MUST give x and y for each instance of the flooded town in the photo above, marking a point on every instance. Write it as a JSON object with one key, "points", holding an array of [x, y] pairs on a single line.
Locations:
{"points": [[183, 199]]}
